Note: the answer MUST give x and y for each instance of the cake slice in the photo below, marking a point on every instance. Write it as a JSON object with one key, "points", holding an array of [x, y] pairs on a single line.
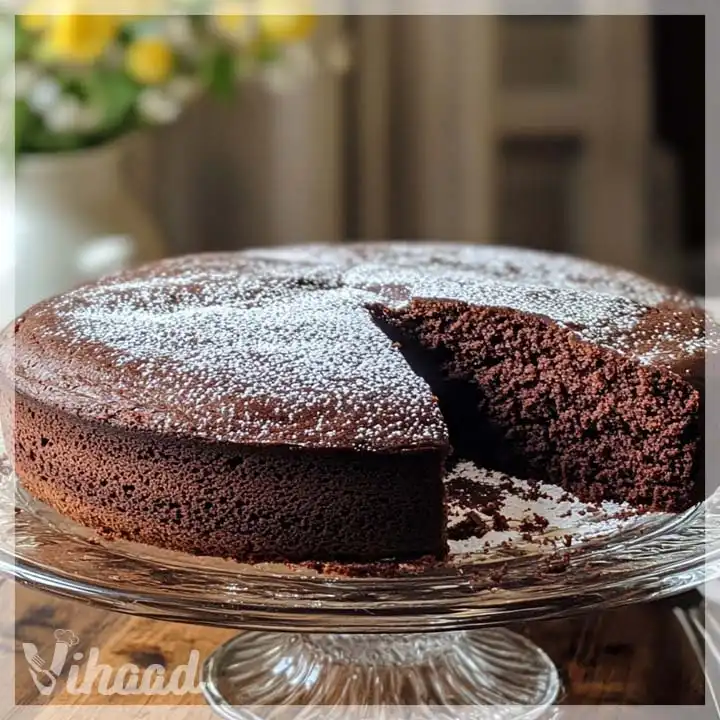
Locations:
{"points": [[527, 396]]}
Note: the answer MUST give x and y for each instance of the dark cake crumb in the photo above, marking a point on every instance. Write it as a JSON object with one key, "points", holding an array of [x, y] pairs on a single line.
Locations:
{"points": [[472, 525], [463, 530], [497, 574], [499, 522], [534, 492], [470, 493], [556, 564], [541, 400], [507, 484], [535, 524]]}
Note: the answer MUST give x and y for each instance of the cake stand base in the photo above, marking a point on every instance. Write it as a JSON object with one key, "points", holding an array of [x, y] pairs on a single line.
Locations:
{"points": [[490, 673]]}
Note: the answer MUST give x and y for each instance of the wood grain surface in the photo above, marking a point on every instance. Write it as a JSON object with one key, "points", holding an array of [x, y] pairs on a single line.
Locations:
{"points": [[636, 655]]}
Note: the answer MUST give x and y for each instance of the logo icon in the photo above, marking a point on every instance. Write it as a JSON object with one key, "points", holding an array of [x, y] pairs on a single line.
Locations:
{"points": [[95, 677], [45, 675]]}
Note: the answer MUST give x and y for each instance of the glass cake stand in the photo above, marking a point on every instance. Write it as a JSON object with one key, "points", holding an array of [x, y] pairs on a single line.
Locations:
{"points": [[418, 641]]}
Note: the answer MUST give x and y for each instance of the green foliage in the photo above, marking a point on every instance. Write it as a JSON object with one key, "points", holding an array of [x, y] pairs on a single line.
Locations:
{"points": [[32, 136], [116, 93], [23, 42], [23, 123], [218, 70], [268, 51], [98, 80]]}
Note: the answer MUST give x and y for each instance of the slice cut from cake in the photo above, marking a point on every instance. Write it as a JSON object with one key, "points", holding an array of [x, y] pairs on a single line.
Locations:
{"points": [[526, 396]]}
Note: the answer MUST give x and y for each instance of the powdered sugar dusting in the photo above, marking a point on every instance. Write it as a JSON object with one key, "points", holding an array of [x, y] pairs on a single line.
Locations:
{"points": [[276, 346], [595, 316], [245, 357]]}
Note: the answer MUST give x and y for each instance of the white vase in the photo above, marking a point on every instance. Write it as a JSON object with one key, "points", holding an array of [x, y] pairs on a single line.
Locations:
{"points": [[77, 218]]}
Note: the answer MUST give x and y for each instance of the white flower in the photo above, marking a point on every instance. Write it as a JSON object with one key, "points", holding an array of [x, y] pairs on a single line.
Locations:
{"points": [[179, 33], [25, 78], [183, 88], [298, 64], [156, 106], [44, 95], [64, 115], [69, 114]]}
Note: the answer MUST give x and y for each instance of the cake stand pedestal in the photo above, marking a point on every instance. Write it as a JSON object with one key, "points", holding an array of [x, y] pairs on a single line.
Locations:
{"points": [[429, 672], [419, 644]]}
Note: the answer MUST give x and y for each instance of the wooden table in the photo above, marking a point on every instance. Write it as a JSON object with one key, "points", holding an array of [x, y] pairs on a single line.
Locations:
{"points": [[635, 655]]}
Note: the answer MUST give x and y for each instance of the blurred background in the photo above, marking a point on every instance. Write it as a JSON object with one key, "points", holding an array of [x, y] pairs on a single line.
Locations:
{"points": [[580, 134]]}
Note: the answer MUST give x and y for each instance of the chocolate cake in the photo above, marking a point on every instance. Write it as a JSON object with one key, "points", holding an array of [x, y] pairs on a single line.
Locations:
{"points": [[300, 403]]}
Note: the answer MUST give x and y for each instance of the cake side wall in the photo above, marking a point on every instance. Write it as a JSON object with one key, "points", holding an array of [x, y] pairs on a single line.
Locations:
{"points": [[229, 500]]}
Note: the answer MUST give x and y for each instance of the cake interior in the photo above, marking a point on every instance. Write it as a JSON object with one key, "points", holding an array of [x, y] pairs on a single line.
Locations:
{"points": [[524, 395]]}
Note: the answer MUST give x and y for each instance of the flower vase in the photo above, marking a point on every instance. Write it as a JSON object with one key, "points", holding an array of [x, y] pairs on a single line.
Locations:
{"points": [[77, 218]]}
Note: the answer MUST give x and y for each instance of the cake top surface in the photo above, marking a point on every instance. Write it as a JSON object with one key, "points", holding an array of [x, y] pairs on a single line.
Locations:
{"points": [[276, 346]]}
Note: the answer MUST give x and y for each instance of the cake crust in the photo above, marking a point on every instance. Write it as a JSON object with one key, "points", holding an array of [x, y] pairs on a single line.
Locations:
{"points": [[242, 502]]}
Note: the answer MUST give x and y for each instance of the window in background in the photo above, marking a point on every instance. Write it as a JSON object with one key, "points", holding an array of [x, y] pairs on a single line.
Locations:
{"points": [[539, 153]]}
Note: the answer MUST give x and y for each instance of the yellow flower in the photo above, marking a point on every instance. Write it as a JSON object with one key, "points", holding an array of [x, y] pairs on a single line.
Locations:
{"points": [[284, 28], [80, 38], [233, 25], [149, 60], [231, 20]]}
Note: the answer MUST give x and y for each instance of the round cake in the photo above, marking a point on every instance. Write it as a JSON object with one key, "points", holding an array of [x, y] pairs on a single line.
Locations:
{"points": [[302, 403]]}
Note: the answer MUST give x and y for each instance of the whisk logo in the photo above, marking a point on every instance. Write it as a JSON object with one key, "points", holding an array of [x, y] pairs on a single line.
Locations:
{"points": [[45, 674], [88, 676]]}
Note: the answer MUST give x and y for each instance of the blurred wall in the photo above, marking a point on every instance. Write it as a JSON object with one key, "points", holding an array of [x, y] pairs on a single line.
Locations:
{"points": [[524, 130], [527, 130]]}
